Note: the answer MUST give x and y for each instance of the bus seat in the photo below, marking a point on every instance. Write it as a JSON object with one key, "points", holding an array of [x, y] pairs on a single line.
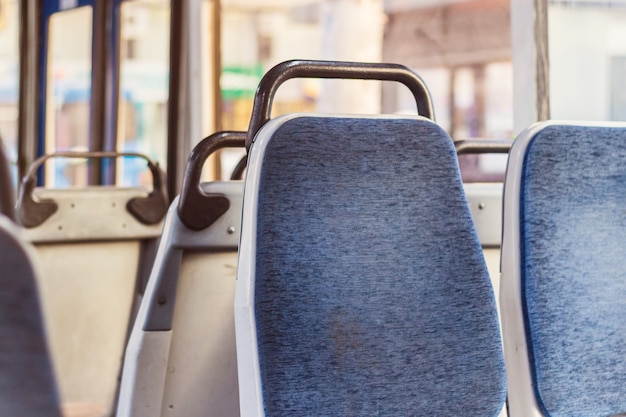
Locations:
{"points": [[7, 189], [485, 202], [240, 169], [91, 244], [181, 358], [563, 289], [27, 386], [361, 285]]}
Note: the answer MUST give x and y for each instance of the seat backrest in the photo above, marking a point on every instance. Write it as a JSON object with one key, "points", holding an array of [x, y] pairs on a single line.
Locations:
{"points": [[563, 290], [362, 289], [92, 243], [7, 189], [485, 201], [181, 356], [27, 386]]}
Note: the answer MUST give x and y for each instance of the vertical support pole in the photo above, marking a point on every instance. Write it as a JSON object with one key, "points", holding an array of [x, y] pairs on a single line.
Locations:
{"points": [[216, 71], [529, 38], [185, 96], [193, 79], [112, 93], [478, 127], [97, 122], [30, 62], [175, 103], [104, 90], [543, 61], [216, 63], [452, 103], [348, 38]]}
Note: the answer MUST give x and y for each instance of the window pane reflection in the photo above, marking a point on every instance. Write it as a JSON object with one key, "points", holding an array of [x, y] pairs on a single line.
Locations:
{"points": [[144, 70], [9, 78], [68, 94]]}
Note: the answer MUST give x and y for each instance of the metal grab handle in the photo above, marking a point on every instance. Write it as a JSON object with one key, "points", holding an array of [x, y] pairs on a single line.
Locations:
{"points": [[147, 210], [239, 169], [198, 210], [474, 146], [262, 109]]}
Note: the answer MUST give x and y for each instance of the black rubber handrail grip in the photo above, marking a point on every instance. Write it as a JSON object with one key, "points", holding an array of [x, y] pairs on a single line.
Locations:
{"points": [[147, 210], [198, 210], [479, 146], [262, 109]]}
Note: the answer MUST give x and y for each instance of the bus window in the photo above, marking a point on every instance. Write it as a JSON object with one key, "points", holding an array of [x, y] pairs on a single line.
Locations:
{"points": [[144, 69], [9, 78], [210, 71], [587, 56], [68, 94], [462, 49]]}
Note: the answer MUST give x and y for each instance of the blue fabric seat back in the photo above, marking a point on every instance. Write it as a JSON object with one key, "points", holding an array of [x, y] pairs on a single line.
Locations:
{"points": [[27, 385], [573, 273], [371, 292]]}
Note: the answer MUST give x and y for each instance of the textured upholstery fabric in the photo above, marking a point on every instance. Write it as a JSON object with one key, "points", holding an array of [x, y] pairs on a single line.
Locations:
{"points": [[573, 235], [372, 297], [26, 381]]}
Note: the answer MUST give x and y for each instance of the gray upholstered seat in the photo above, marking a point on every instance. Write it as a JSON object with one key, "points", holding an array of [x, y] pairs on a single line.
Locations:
{"points": [[93, 248], [362, 289], [563, 290], [181, 354], [27, 386], [180, 358]]}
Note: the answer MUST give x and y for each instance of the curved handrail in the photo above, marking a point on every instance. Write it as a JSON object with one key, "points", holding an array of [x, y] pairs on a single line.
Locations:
{"points": [[474, 146], [197, 210], [275, 77], [147, 210], [239, 169]]}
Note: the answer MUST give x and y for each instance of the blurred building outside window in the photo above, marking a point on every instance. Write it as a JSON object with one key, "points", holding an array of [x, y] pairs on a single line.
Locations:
{"points": [[9, 79]]}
